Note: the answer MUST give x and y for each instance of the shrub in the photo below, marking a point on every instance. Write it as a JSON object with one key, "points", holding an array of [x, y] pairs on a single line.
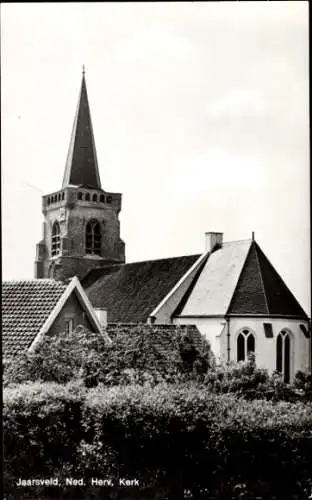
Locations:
{"points": [[172, 438], [303, 382], [41, 426], [60, 358], [250, 382], [141, 358]]}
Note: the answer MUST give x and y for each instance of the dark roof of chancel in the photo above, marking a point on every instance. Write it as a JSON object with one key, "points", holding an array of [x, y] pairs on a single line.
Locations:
{"points": [[261, 290], [26, 306], [81, 164], [236, 279], [130, 292]]}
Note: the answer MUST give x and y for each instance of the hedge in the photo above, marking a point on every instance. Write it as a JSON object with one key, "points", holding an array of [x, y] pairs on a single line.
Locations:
{"points": [[140, 357], [176, 440], [146, 358], [251, 382]]}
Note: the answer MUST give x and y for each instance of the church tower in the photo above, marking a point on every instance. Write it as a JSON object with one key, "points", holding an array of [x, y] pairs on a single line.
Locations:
{"points": [[81, 221]]}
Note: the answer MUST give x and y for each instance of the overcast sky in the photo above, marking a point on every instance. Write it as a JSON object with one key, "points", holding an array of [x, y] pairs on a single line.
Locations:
{"points": [[200, 115]]}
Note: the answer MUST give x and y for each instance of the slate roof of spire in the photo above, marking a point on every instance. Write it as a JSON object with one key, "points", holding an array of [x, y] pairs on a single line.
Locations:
{"points": [[81, 164]]}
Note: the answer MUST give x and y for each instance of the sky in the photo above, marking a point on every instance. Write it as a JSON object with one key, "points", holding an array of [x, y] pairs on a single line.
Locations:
{"points": [[200, 116]]}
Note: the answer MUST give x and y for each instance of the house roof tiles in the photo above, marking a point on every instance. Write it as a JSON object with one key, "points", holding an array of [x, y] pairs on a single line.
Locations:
{"points": [[216, 283], [238, 279], [162, 337], [261, 290], [26, 305], [130, 292]]}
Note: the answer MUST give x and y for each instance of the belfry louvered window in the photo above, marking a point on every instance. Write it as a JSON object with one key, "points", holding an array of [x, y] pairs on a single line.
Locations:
{"points": [[283, 355], [245, 344], [93, 238], [56, 239]]}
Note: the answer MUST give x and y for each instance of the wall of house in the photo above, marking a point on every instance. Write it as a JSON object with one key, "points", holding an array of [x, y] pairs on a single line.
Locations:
{"points": [[215, 331], [210, 328], [265, 348], [71, 309]]}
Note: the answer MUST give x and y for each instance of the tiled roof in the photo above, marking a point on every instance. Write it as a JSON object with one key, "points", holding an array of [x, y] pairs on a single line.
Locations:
{"points": [[26, 305], [216, 283], [96, 340], [130, 292], [239, 279], [163, 337], [81, 164], [261, 290]]}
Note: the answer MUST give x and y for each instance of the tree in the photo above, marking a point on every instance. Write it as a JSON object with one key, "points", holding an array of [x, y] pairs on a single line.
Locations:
{"points": [[140, 355]]}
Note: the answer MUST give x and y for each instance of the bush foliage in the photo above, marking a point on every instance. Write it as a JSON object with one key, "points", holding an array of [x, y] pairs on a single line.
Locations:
{"points": [[250, 382], [140, 358], [82, 407], [172, 357], [172, 438]]}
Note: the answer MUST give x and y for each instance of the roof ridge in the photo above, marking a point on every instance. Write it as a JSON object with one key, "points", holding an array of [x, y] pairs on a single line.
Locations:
{"points": [[262, 281], [236, 241], [162, 258], [152, 325], [239, 277], [281, 283], [36, 280]]}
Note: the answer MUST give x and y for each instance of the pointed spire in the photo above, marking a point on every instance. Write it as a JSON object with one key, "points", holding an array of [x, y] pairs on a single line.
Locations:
{"points": [[81, 164]]}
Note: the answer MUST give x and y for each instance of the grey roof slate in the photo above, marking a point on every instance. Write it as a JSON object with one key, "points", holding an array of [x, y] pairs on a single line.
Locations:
{"points": [[215, 285], [238, 279], [130, 292], [261, 290], [81, 164]]}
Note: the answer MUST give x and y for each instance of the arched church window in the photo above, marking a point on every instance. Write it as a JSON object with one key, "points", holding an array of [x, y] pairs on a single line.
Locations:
{"points": [[59, 197], [93, 238], [48, 200], [102, 199], [56, 238], [80, 195], [245, 344], [109, 199], [283, 342], [87, 198], [94, 197], [63, 195]]}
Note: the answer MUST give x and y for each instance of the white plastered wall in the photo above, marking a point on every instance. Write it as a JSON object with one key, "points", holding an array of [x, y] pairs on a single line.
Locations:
{"points": [[215, 331], [210, 328], [265, 348]]}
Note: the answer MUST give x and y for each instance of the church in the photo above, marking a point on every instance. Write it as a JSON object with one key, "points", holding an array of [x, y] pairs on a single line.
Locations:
{"points": [[230, 291]]}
